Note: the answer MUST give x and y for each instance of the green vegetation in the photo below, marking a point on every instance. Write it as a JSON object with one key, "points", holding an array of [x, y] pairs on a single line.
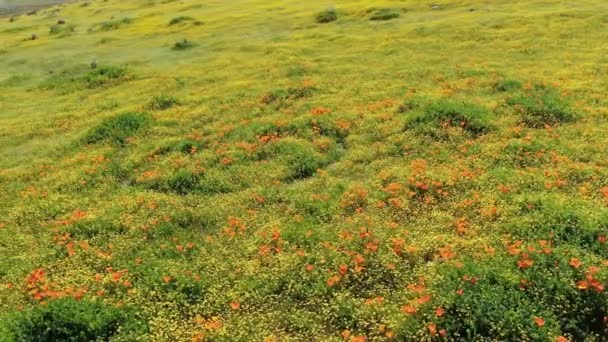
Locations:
{"points": [[472, 118], [117, 129], [543, 106], [65, 320], [507, 85], [162, 102], [384, 14], [78, 78], [414, 171], [183, 45], [326, 16], [62, 30], [103, 75], [179, 20], [113, 24]]}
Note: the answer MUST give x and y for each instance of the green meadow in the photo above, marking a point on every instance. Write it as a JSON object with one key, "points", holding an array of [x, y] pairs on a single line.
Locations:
{"points": [[267, 170]]}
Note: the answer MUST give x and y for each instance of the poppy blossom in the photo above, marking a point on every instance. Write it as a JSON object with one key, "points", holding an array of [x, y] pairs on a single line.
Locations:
{"points": [[576, 263], [539, 321], [432, 327], [408, 309]]}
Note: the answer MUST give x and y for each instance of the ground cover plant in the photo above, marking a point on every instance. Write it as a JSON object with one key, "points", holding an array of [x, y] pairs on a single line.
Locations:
{"points": [[302, 170]]}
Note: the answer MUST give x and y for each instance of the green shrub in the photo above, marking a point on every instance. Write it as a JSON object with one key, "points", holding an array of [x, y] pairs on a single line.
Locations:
{"points": [[474, 119], [62, 30], [183, 45], [117, 129], [301, 158], [179, 20], [524, 154], [543, 106], [507, 85], [183, 182], [90, 228], [499, 300], [384, 14], [82, 77], [326, 16], [65, 320], [114, 24], [281, 96], [188, 146], [561, 224], [103, 75], [412, 104], [162, 102]]}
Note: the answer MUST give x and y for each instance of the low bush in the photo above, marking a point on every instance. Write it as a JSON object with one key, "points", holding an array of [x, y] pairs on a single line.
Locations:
{"points": [[114, 24], [473, 119], [183, 182], [117, 129], [162, 102], [507, 85], [90, 228], [326, 16], [183, 45], [532, 293], [179, 20], [65, 320], [103, 75], [524, 154], [543, 106], [301, 158], [384, 14], [62, 30], [281, 96]]}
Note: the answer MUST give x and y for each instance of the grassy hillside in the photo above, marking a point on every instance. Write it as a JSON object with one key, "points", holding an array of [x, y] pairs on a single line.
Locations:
{"points": [[285, 171]]}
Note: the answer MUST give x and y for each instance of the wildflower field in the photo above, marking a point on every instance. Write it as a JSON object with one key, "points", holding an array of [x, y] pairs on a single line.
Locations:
{"points": [[267, 170]]}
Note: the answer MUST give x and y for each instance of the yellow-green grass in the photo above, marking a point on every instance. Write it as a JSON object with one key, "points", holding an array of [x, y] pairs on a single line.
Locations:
{"points": [[291, 180]]}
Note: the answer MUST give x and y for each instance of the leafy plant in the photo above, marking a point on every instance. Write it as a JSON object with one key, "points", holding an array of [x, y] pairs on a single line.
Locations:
{"points": [[62, 30], [114, 24], [183, 45], [543, 106], [179, 20], [183, 182], [383, 14], [474, 119], [326, 16], [162, 102], [65, 320], [103, 75], [507, 85], [117, 129]]}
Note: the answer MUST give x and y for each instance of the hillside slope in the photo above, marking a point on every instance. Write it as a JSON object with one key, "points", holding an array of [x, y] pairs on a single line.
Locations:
{"points": [[281, 170]]}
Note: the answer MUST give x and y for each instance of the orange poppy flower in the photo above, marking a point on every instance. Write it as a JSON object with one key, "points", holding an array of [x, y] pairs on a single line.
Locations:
{"points": [[408, 309], [576, 263], [539, 321]]}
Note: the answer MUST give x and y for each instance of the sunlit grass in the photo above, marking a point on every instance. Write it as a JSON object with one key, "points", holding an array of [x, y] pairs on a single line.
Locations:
{"points": [[285, 170]]}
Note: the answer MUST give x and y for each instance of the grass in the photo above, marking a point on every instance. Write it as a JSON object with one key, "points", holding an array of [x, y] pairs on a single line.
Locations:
{"points": [[439, 176]]}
